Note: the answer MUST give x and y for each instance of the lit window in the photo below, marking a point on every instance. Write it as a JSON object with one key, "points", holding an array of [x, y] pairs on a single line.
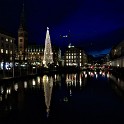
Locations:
{"points": [[80, 53], [7, 39], [6, 51], [10, 52], [1, 50], [11, 40], [10, 58], [80, 64], [80, 57]]}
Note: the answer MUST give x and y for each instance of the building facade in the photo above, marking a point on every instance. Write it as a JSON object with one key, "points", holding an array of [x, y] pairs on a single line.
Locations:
{"points": [[117, 55], [35, 54], [75, 56], [7, 51], [56, 56]]}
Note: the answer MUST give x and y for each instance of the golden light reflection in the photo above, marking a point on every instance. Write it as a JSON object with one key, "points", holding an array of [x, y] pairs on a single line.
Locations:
{"points": [[80, 80], [38, 80], [48, 85]]}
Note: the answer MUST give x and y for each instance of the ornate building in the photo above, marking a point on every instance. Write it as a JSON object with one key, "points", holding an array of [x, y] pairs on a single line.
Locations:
{"points": [[48, 55], [35, 55]]}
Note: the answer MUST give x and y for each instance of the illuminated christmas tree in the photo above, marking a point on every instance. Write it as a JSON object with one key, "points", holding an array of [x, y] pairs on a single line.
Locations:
{"points": [[48, 55]]}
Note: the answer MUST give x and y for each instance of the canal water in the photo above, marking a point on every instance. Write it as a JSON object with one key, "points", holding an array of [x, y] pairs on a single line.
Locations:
{"points": [[80, 98]]}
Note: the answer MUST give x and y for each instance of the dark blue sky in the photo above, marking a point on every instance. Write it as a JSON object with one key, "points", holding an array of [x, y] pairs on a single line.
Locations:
{"points": [[95, 25]]}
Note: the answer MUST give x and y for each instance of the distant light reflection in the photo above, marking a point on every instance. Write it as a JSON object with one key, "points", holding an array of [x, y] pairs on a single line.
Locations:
{"points": [[1, 98], [25, 84], [96, 76], [38, 80], [2, 90], [16, 87], [33, 82], [8, 91], [108, 75]]}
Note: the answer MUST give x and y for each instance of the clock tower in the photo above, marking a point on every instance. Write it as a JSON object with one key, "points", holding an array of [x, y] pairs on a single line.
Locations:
{"points": [[22, 37]]}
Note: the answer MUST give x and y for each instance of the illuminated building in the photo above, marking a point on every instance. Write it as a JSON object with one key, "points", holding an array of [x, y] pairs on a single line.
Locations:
{"points": [[7, 51], [35, 54], [48, 55], [117, 55], [56, 55], [75, 56]]}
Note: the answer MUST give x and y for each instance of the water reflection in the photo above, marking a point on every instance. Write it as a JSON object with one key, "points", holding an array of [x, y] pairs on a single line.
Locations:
{"points": [[72, 93], [48, 85]]}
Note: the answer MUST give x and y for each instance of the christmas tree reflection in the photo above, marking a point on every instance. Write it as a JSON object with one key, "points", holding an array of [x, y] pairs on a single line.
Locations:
{"points": [[48, 85]]}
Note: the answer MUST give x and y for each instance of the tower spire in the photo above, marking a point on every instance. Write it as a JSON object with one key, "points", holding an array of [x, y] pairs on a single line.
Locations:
{"points": [[22, 37], [22, 18]]}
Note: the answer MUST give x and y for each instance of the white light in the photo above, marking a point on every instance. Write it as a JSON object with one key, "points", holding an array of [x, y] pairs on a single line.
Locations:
{"points": [[7, 39], [100, 72], [55, 76], [38, 80], [25, 84], [85, 75], [16, 87], [96, 75], [6, 51], [1, 50], [89, 72], [108, 75], [33, 82], [1, 90]]}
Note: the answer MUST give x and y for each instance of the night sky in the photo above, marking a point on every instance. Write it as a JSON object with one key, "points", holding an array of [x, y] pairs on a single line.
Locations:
{"points": [[94, 25]]}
